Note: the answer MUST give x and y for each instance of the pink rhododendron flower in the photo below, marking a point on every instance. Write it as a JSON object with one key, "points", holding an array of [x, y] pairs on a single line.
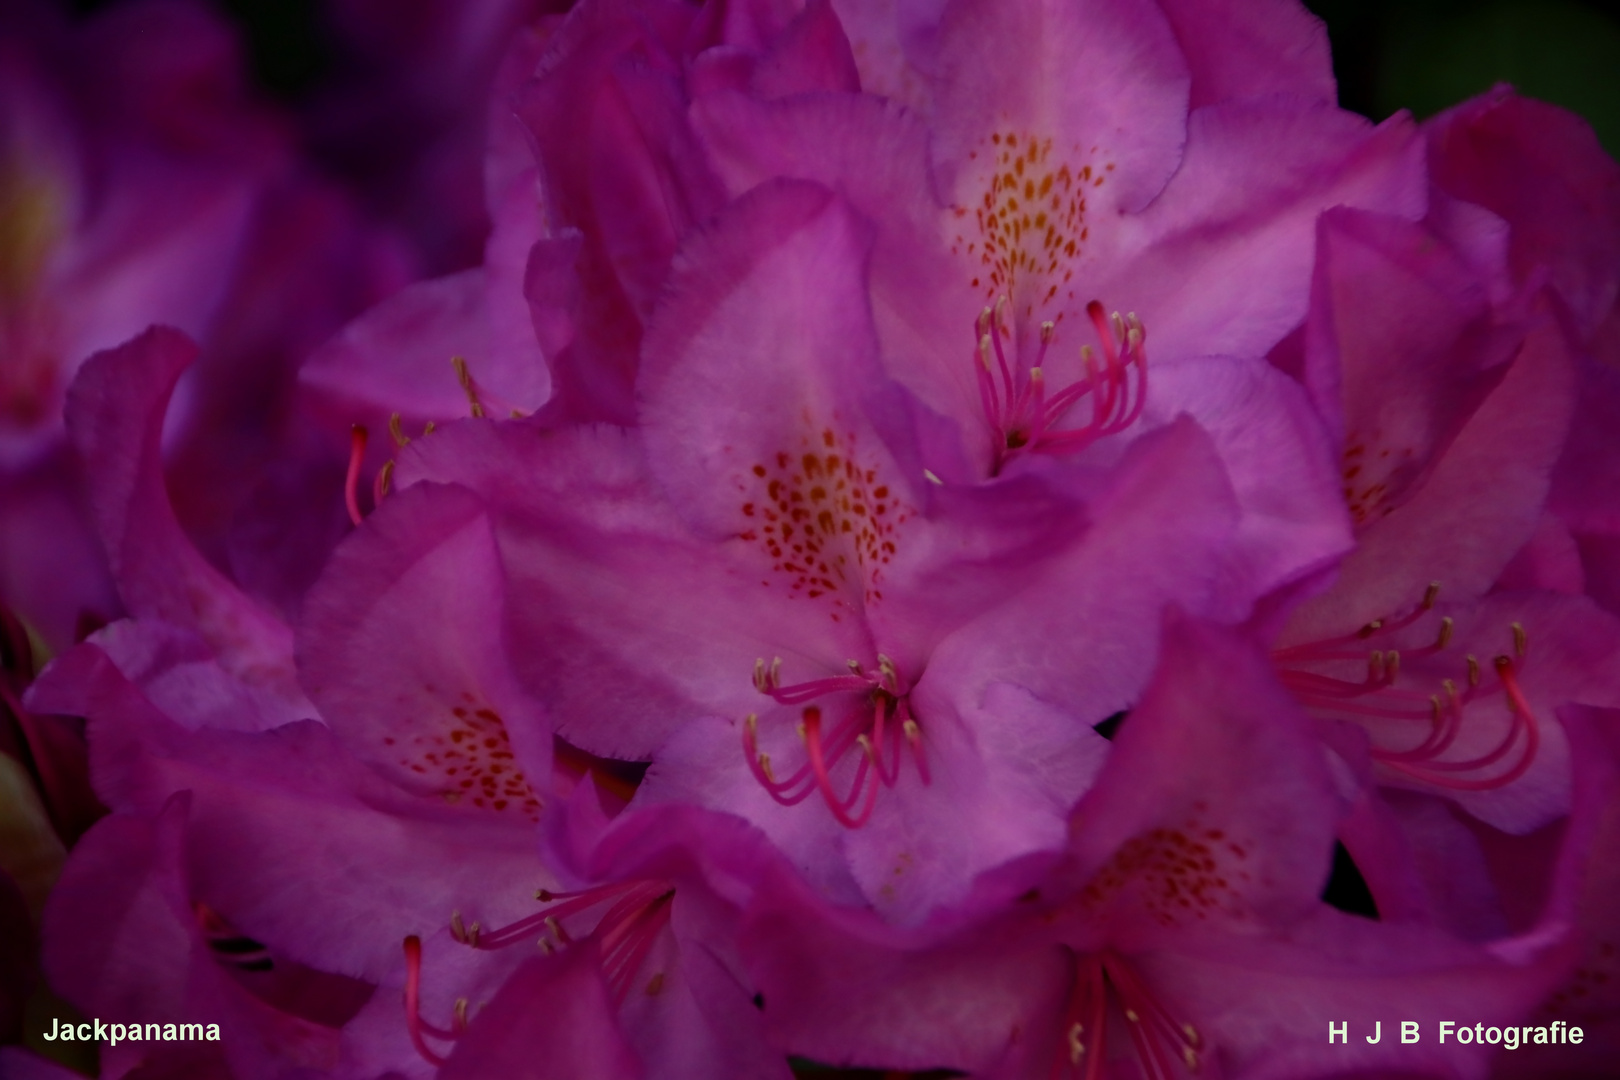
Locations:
{"points": [[1013, 538], [1021, 195], [1180, 930], [763, 556]]}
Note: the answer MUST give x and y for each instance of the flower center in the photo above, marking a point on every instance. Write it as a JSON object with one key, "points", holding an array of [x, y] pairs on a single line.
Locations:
{"points": [[1390, 713], [625, 920], [1161, 1041], [877, 723], [1024, 418]]}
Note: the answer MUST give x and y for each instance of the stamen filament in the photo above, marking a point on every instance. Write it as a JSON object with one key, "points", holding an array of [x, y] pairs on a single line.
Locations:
{"points": [[351, 481]]}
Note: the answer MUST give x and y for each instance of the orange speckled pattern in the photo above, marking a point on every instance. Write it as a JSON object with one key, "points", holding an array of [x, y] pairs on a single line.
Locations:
{"points": [[825, 519], [470, 762], [1367, 473], [1030, 222], [1191, 872]]}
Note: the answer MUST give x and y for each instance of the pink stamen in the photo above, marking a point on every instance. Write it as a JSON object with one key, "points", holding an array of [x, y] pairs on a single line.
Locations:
{"points": [[351, 483], [1024, 417], [1157, 1036], [839, 808], [1377, 697], [890, 718], [413, 1002]]}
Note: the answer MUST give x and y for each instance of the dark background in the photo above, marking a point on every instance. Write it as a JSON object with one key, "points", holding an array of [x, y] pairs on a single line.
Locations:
{"points": [[1421, 55]]}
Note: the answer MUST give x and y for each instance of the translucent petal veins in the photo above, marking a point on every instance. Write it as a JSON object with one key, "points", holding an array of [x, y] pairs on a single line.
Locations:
{"points": [[1165, 1045], [1390, 713], [875, 722], [1024, 418]]}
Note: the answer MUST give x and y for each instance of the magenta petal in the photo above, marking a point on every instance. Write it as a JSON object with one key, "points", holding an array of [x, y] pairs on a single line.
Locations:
{"points": [[1400, 351], [552, 1020], [763, 352], [1477, 508], [1219, 755], [811, 54], [402, 649], [1097, 76], [115, 414], [1084, 634], [1255, 177], [1278, 460], [1239, 48], [623, 624], [843, 988], [1542, 170], [270, 809]]}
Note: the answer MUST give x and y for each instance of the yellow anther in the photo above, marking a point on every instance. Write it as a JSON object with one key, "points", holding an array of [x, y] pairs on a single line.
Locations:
{"points": [[1451, 692], [765, 767], [398, 435], [1521, 640], [751, 722], [1048, 332], [543, 895], [984, 322], [457, 930], [1135, 323], [913, 732], [1077, 1049], [984, 351], [854, 666], [1087, 357], [799, 727], [1473, 672], [1434, 708], [1430, 595], [1190, 1056], [865, 743], [557, 930], [1003, 303], [1371, 628], [427, 428], [464, 377], [1118, 324], [776, 672], [1036, 375], [546, 946], [385, 477], [1392, 665], [1131, 1015], [461, 1014], [1192, 1035], [931, 478], [1446, 625], [1133, 339]]}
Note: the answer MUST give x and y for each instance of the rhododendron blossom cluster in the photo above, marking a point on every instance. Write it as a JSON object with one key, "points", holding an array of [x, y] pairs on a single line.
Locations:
{"points": [[996, 538]]}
